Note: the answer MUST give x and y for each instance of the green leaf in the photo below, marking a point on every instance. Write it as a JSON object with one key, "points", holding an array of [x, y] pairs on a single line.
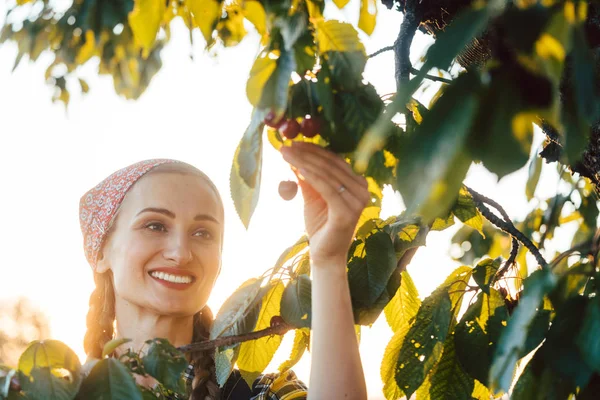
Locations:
{"points": [[368, 276], [324, 91], [239, 306], [586, 82], [423, 344], [503, 131], [512, 342], [449, 380], [538, 382], [305, 53], [296, 302], [468, 24], [433, 163], [354, 112], [560, 350], [165, 363], [339, 45], [261, 71], [537, 331], [440, 224], [112, 345], [49, 368], [225, 359], [291, 28], [255, 355], [244, 178], [290, 252], [466, 210], [477, 334], [406, 233], [484, 273], [535, 171], [274, 95], [588, 339], [110, 380], [403, 307], [301, 342], [389, 364]]}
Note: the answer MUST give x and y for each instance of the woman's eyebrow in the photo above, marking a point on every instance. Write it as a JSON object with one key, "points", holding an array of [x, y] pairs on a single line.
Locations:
{"points": [[199, 217], [158, 210]]}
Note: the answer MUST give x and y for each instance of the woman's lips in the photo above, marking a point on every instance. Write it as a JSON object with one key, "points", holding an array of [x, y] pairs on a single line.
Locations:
{"points": [[173, 278]]}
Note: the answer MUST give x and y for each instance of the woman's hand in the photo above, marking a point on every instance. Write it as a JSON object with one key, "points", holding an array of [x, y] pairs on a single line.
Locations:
{"points": [[334, 198]]}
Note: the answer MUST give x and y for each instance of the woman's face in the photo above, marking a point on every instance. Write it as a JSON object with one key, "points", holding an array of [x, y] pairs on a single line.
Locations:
{"points": [[164, 249]]}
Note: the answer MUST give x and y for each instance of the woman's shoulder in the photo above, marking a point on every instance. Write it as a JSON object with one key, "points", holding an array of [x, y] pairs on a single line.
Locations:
{"points": [[272, 386]]}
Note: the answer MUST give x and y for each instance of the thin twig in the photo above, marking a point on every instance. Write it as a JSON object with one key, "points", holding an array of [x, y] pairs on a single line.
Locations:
{"points": [[511, 259], [279, 329], [408, 29], [434, 78], [506, 225], [383, 50]]}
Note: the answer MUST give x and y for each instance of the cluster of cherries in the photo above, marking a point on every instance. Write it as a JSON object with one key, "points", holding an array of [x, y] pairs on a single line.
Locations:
{"points": [[290, 128]]}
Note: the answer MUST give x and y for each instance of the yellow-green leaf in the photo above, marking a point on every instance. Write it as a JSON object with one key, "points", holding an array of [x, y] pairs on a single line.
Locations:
{"points": [[144, 20], [466, 210], [368, 16], [206, 13], [404, 305], [255, 13], [391, 390], [255, 355], [301, 342], [341, 3], [264, 66], [338, 36], [112, 345], [88, 49]]}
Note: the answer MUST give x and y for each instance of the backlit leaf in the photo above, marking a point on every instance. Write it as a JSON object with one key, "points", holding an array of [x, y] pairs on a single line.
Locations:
{"points": [[301, 342], [296, 302], [145, 20], [403, 307], [255, 355], [368, 16]]}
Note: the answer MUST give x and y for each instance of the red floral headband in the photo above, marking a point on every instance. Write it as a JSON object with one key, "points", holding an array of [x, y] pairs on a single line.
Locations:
{"points": [[99, 205]]}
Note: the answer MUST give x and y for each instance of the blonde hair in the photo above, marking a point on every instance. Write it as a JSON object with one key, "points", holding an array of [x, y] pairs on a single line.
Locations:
{"points": [[101, 314]]}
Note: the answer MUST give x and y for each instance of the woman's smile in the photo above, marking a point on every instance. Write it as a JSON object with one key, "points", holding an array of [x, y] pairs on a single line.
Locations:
{"points": [[173, 278]]}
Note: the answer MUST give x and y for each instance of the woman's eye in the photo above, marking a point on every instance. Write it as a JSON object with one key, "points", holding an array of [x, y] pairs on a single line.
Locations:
{"points": [[155, 226], [204, 234]]}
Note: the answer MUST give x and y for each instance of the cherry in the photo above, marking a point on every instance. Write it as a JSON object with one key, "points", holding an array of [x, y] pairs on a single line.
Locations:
{"points": [[288, 190], [310, 127], [290, 128], [272, 121], [276, 320]]}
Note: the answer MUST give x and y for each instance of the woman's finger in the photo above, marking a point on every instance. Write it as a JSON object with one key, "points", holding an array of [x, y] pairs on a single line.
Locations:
{"points": [[324, 166], [334, 158], [335, 193]]}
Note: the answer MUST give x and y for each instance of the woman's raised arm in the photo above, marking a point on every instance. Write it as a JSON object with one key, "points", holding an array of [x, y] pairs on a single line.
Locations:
{"points": [[334, 197]]}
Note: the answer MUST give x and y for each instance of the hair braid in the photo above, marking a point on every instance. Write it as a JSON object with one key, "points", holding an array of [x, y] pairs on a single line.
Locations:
{"points": [[101, 316], [204, 384]]}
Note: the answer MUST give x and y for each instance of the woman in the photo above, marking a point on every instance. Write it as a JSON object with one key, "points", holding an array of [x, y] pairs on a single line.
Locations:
{"points": [[153, 234]]}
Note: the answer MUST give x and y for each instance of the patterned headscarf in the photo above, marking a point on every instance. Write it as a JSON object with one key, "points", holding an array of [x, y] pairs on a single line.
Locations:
{"points": [[99, 205]]}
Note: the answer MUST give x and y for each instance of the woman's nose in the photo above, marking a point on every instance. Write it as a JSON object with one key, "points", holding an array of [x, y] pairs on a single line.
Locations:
{"points": [[179, 249]]}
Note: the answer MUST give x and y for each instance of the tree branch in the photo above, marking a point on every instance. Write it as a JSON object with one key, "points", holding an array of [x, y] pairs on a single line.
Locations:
{"points": [[408, 29], [383, 50], [415, 71], [279, 329], [506, 225]]}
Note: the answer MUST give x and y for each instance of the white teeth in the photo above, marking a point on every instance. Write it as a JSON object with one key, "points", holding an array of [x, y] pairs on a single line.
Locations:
{"points": [[171, 278]]}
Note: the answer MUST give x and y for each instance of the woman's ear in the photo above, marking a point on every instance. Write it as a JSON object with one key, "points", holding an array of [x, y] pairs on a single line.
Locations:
{"points": [[102, 264]]}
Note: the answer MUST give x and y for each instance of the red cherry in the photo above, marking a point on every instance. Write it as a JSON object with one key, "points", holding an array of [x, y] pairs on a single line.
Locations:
{"points": [[290, 128], [310, 127], [288, 190], [272, 121], [276, 320]]}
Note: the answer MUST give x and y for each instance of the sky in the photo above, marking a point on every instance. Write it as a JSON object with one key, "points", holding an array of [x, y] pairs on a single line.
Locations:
{"points": [[195, 111]]}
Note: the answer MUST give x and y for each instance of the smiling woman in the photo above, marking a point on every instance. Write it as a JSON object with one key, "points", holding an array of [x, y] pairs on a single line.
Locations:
{"points": [[153, 235]]}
